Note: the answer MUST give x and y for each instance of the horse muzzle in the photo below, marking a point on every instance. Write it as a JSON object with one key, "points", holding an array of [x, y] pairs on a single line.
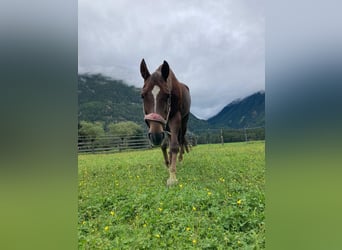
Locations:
{"points": [[156, 138], [156, 123]]}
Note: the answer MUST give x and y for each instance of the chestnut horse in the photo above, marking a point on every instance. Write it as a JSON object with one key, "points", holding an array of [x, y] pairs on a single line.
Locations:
{"points": [[166, 104]]}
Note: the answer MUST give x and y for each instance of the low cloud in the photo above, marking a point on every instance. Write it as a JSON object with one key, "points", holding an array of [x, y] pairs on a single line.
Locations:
{"points": [[215, 47]]}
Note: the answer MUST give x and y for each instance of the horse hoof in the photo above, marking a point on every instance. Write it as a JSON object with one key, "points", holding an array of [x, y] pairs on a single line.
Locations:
{"points": [[171, 182]]}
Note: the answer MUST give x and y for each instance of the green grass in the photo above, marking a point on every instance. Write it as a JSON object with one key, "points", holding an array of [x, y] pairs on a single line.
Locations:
{"points": [[218, 203]]}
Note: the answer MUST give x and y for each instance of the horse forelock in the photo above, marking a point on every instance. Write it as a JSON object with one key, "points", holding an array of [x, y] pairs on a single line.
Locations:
{"points": [[157, 79]]}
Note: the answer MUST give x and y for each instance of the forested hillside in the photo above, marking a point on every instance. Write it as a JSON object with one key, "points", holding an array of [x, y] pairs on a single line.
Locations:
{"points": [[110, 101], [102, 99], [248, 112]]}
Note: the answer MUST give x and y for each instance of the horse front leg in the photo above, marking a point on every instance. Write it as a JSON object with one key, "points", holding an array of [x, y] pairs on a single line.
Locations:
{"points": [[172, 169], [174, 149], [164, 148]]}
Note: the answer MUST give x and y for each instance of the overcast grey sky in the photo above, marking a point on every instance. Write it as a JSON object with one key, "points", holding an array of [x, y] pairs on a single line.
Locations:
{"points": [[215, 47]]}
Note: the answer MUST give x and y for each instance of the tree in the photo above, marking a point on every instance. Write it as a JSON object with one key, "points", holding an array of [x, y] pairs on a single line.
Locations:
{"points": [[92, 130], [90, 135], [124, 129]]}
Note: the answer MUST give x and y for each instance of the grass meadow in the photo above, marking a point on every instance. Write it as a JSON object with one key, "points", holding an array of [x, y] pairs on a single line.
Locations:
{"points": [[218, 203]]}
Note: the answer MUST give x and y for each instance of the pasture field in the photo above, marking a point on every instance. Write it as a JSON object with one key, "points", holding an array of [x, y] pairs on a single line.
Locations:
{"points": [[218, 203]]}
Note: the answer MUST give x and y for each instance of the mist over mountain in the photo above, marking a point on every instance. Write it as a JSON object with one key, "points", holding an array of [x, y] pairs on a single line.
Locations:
{"points": [[104, 99]]}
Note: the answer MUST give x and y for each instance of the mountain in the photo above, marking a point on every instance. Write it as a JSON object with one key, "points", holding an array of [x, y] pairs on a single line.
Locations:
{"points": [[195, 124], [247, 112], [101, 98]]}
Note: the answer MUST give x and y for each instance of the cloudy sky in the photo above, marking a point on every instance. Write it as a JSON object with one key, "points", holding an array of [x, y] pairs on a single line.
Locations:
{"points": [[215, 47]]}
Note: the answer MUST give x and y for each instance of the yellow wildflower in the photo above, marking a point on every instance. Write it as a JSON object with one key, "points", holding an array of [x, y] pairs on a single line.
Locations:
{"points": [[188, 229], [145, 225], [180, 185], [157, 235], [160, 209], [194, 241], [194, 208], [209, 193], [112, 213], [239, 202], [106, 228]]}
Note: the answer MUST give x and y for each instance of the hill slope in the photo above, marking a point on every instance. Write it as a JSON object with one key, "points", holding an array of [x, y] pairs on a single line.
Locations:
{"points": [[248, 112], [104, 99]]}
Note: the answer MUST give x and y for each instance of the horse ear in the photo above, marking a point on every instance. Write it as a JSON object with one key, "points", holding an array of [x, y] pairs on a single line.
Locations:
{"points": [[143, 70], [165, 70]]}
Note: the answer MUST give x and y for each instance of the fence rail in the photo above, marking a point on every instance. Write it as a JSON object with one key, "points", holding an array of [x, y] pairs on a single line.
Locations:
{"points": [[112, 144], [225, 135]]}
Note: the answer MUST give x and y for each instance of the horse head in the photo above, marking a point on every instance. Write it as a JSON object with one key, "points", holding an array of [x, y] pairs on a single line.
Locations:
{"points": [[156, 95]]}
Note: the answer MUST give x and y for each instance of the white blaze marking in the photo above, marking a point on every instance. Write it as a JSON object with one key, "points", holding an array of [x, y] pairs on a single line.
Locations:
{"points": [[155, 92]]}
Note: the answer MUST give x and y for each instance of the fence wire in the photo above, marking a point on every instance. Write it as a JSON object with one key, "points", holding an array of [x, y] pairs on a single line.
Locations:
{"points": [[112, 144]]}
